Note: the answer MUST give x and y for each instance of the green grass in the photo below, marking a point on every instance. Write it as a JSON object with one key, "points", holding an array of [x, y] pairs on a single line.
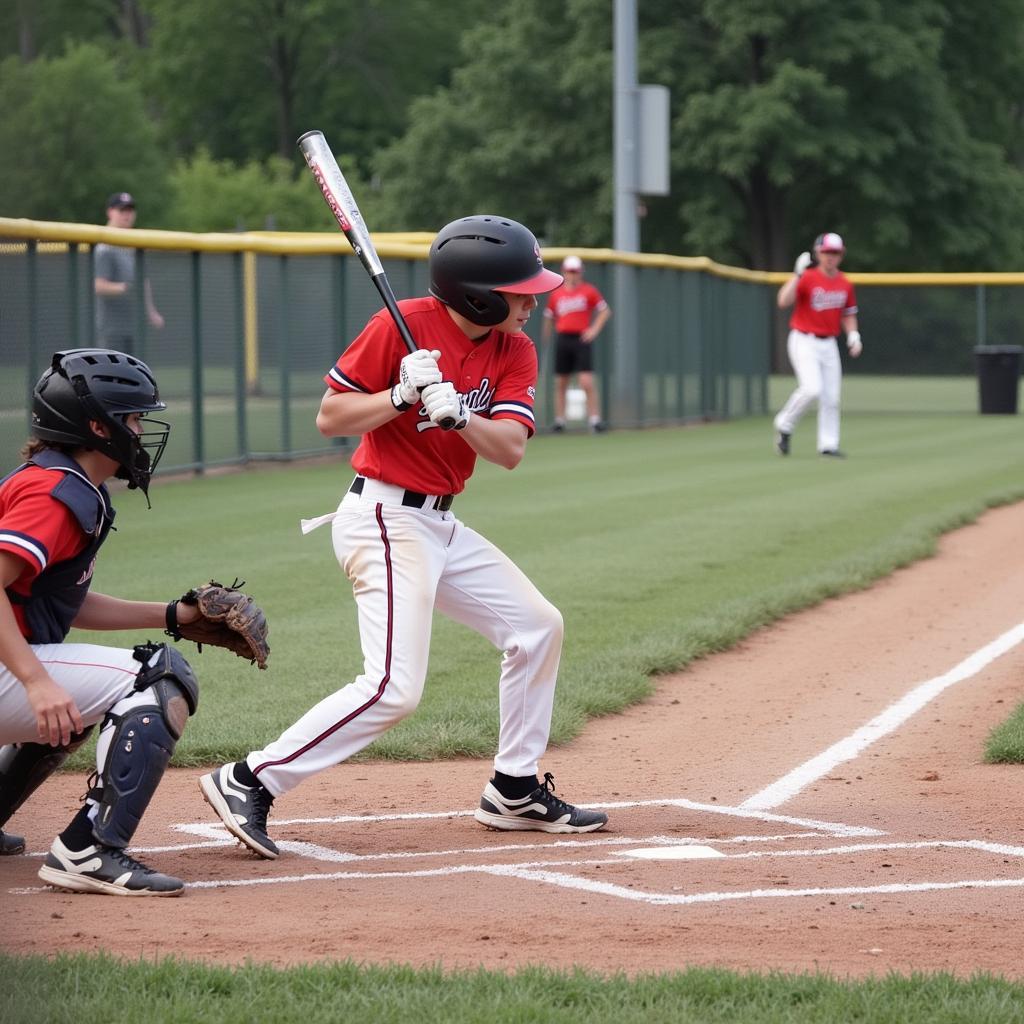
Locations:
{"points": [[658, 546], [83, 990]]}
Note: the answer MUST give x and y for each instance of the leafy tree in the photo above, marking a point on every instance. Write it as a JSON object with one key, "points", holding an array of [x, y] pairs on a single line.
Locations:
{"points": [[799, 118], [73, 131], [245, 78], [216, 195], [44, 28], [787, 120], [523, 130]]}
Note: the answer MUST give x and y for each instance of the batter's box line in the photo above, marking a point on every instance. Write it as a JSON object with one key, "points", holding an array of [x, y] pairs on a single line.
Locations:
{"points": [[829, 828], [566, 881]]}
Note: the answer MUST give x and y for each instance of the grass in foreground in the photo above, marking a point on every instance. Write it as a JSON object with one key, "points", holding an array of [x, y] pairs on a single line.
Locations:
{"points": [[84, 989], [659, 547]]}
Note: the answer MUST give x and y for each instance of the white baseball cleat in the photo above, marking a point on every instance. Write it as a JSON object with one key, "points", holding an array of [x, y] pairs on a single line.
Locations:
{"points": [[104, 869]]}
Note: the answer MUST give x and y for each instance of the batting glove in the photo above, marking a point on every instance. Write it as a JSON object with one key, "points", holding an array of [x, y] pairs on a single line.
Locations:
{"points": [[442, 403], [416, 371], [853, 343], [803, 261]]}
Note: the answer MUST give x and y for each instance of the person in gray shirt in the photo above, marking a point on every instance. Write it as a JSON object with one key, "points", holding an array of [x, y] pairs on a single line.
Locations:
{"points": [[114, 282]]}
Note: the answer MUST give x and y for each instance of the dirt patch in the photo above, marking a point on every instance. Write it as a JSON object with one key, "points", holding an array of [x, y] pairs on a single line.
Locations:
{"points": [[907, 856]]}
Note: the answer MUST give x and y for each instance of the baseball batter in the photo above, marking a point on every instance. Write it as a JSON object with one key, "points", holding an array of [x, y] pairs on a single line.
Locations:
{"points": [[400, 544], [89, 423], [823, 301]]}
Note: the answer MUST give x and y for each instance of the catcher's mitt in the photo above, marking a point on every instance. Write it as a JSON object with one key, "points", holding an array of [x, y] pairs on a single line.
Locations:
{"points": [[227, 618]]}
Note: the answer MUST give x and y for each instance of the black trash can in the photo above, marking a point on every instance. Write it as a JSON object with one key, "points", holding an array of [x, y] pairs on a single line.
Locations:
{"points": [[998, 377]]}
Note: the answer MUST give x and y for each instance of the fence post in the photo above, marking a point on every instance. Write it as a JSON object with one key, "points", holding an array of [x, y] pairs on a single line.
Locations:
{"points": [[283, 356], [241, 355], [33, 371], [198, 445]]}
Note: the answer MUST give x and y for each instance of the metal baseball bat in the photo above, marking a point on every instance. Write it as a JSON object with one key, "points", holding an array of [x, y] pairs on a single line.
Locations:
{"points": [[343, 205]]}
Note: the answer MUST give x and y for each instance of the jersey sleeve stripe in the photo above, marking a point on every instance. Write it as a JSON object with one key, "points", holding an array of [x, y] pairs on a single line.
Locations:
{"points": [[26, 544], [520, 409], [337, 380]]}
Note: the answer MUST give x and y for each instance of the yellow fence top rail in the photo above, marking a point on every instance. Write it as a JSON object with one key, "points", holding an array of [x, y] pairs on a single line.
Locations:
{"points": [[415, 245]]}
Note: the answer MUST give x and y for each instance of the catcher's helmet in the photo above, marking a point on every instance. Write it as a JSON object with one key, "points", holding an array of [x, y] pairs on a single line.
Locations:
{"points": [[474, 259], [98, 384]]}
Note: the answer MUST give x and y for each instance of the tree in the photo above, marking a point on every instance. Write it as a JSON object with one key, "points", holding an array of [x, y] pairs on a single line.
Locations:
{"points": [[523, 130], [244, 78], [74, 131], [790, 120], [216, 195], [787, 120]]}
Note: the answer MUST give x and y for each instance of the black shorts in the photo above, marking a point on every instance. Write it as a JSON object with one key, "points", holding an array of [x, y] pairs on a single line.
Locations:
{"points": [[572, 355]]}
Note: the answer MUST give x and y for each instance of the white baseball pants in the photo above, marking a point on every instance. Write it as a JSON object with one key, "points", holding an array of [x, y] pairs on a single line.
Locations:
{"points": [[403, 563], [97, 678], [819, 374]]}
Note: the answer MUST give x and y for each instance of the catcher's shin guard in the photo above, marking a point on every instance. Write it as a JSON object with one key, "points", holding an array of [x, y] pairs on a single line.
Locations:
{"points": [[141, 741], [24, 767]]}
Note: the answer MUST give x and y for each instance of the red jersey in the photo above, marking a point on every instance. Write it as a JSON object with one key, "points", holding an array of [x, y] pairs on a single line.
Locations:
{"points": [[37, 528], [822, 302], [571, 308], [497, 375]]}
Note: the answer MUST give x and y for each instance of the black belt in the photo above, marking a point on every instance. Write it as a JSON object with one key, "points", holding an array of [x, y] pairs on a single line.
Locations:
{"points": [[413, 499], [822, 337]]}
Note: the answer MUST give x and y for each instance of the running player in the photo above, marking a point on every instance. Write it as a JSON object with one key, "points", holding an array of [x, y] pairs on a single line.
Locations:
{"points": [[406, 553], [824, 301]]}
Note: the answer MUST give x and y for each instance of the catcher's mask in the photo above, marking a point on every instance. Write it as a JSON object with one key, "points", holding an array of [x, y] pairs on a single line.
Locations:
{"points": [[98, 384], [474, 259]]}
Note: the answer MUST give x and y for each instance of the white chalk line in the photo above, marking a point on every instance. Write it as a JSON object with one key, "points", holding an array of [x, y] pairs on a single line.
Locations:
{"points": [[553, 872], [881, 725]]}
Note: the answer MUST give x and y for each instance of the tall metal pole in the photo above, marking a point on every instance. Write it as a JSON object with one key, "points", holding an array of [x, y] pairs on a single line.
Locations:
{"points": [[627, 226], [625, 401]]}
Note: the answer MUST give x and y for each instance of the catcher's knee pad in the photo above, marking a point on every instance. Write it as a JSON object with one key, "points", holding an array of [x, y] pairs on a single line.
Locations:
{"points": [[172, 680], [24, 767], [142, 741]]}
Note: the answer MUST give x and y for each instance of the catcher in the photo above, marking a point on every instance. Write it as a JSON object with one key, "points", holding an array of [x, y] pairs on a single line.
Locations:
{"points": [[90, 422]]}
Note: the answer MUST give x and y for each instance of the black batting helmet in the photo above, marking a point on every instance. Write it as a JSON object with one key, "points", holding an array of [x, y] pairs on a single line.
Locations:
{"points": [[474, 259], [84, 385]]}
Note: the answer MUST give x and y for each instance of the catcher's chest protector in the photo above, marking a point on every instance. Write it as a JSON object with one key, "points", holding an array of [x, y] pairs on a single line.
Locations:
{"points": [[58, 591]]}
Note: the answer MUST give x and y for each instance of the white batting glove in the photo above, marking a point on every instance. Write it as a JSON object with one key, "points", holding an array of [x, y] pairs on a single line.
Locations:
{"points": [[853, 343], [803, 261], [416, 371], [443, 403]]}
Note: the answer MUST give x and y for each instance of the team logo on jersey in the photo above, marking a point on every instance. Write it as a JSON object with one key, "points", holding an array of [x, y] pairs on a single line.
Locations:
{"points": [[532, 392], [477, 400], [824, 298]]}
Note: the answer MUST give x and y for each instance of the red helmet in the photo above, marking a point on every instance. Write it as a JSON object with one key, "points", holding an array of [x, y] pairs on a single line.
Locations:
{"points": [[474, 259]]}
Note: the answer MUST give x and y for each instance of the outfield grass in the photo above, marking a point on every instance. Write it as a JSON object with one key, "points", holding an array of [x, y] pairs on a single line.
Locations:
{"points": [[100, 990], [659, 546]]}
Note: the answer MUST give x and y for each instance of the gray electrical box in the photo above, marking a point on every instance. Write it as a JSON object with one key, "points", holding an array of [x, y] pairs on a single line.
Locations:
{"points": [[652, 177]]}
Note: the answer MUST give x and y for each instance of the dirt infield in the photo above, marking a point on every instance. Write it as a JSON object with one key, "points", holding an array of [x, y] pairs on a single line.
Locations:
{"points": [[814, 799]]}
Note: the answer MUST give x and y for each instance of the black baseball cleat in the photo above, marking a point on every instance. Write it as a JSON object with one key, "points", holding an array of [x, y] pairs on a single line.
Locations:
{"points": [[782, 442], [833, 453], [598, 427], [558, 427], [243, 809], [10, 844], [541, 811], [104, 869]]}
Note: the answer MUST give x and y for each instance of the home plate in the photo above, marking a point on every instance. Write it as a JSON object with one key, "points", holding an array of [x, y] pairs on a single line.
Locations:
{"points": [[672, 853]]}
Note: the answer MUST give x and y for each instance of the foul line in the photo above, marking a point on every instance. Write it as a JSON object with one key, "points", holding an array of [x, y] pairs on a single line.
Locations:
{"points": [[893, 717]]}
